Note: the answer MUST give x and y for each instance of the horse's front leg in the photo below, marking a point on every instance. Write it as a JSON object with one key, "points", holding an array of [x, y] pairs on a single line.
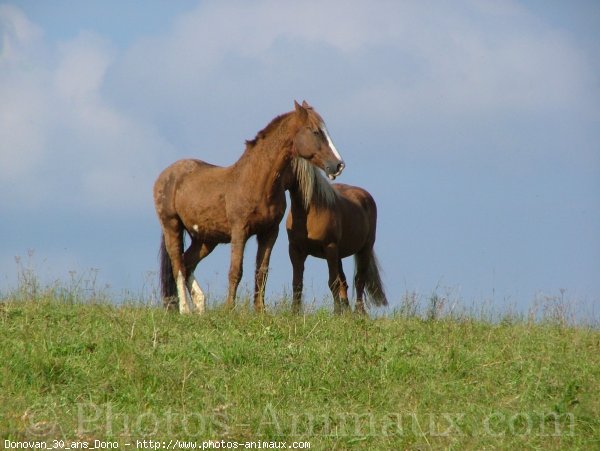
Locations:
{"points": [[297, 258], [266, 241], [238, 243], [343, 287], [335, 282]]}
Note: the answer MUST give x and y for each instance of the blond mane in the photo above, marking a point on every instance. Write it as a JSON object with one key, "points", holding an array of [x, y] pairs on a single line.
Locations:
{"points": [[313, 186]]}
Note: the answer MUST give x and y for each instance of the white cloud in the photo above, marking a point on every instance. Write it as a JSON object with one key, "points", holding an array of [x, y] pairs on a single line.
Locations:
{"points": [[472, 60], [80, 119], [22, 102], [459, 58], [18, 32], [83, 64], [60, 141]]}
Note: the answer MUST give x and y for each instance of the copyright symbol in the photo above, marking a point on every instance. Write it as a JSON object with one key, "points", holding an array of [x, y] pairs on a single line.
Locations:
{"points": [[40, 421]]}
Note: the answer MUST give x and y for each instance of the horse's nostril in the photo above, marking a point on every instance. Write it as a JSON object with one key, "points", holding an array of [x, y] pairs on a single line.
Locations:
{"points": [[333, 169]]}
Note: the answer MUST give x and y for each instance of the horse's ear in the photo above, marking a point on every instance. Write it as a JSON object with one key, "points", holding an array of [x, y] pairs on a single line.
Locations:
{"points": [[301, 110], [305, 104]]}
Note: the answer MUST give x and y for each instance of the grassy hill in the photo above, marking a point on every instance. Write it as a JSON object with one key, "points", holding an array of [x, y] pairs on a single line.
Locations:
{"points": [[81, 372]]}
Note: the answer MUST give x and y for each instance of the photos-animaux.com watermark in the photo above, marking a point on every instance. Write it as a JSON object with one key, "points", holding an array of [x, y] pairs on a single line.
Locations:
{"points": [[106, 420]]}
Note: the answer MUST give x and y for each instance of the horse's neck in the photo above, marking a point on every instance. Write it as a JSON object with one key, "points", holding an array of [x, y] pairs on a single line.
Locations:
{"points": [[264, 163], [296, 194]]}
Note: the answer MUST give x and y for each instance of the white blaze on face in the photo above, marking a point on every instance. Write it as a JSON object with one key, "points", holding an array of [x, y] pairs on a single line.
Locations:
{"points": [[330, 142]]}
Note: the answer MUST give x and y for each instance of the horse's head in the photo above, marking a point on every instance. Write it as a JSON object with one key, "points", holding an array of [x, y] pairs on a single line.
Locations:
{"points": [[313, 143]]}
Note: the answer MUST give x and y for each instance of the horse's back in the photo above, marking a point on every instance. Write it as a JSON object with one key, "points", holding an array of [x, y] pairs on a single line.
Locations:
{"points": [[183, 168], [356, 195]]}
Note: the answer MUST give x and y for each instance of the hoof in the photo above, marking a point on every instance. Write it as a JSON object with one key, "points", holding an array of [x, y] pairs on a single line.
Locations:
{"points": [[360, 309]]}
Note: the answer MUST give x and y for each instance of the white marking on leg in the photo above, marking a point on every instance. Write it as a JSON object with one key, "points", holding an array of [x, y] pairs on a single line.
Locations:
{"points": [[182, 294], [197, 295], [330, 142]]}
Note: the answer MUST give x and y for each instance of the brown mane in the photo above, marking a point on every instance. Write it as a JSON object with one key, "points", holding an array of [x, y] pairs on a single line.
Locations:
{"points": [[273, 125], [314, 119]]}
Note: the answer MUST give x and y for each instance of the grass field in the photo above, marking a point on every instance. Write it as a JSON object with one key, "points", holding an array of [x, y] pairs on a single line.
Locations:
{"points": [[85, 371]]}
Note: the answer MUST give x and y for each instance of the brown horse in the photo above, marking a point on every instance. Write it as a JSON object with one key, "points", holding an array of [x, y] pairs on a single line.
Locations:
{"points": [[230, 204], [333, 221]]}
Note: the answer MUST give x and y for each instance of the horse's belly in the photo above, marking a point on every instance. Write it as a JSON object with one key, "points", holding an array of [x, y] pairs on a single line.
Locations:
{"points": [[206, 221], [315, 248], [265, 217]]}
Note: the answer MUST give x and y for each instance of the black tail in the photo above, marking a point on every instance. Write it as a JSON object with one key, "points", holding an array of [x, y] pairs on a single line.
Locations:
{"points": [[375, 293], [168, 286]]}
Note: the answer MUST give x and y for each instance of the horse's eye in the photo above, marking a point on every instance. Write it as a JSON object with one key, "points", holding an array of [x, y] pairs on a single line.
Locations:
{"points": [[317, 132]]}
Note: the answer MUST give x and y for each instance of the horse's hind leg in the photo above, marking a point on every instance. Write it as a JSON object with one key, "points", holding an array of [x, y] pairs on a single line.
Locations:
{"points": [[297, 258], [196, 252], [174, 246], [362, 264]]}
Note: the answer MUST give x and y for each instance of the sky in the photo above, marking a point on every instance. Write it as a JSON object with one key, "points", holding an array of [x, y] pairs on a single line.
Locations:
{"points": [[475, 125]]}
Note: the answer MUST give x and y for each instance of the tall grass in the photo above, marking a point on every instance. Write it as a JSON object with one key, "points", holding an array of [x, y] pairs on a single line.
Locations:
{"points": [[79, 369]]}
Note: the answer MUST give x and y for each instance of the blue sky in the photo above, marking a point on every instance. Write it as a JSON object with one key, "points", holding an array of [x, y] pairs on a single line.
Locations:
{"points": [[474, 124]]}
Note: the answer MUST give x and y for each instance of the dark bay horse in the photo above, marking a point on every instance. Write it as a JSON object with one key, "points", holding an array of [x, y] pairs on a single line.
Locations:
{"points": [[230, 204], [333, 221]]}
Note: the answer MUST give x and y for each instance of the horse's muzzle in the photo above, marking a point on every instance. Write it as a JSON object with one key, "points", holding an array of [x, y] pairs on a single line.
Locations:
{"points": [[334, 170]]}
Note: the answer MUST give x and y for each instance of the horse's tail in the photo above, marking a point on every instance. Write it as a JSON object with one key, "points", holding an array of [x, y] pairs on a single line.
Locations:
{"points": [[168, 286], [375, 293]]}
